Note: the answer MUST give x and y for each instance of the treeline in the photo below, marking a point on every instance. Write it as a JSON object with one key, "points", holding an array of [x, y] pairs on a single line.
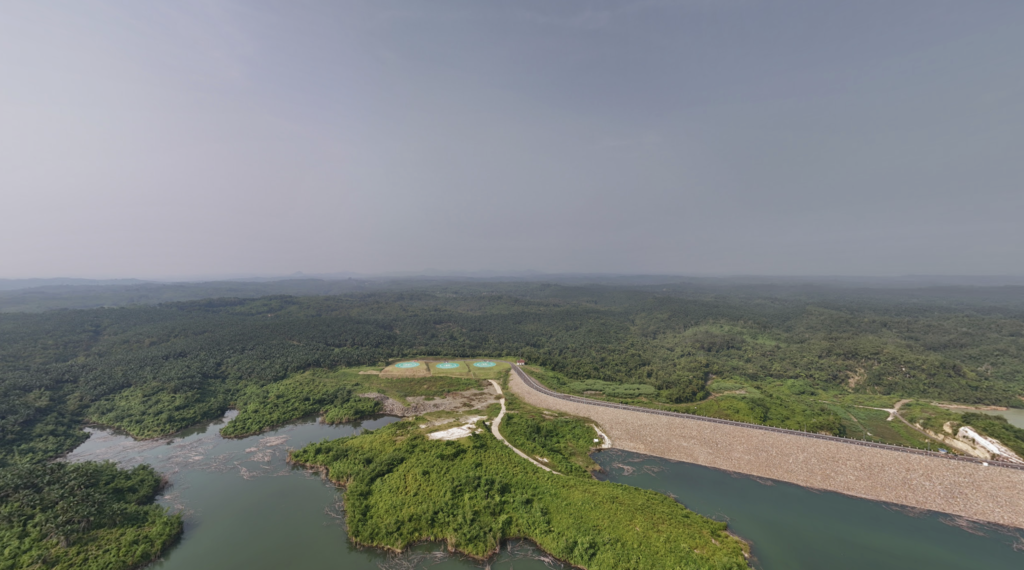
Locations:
{"points": [[154, 370]]}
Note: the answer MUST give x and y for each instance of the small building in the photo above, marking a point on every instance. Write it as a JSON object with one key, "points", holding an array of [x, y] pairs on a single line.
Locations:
{"points": [[520, 362]]}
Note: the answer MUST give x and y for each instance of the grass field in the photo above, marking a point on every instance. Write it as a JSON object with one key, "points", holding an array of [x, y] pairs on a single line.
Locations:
{"points": [[393, 371], [873, 425], [462, 369], [434, 386], [497, 372]]}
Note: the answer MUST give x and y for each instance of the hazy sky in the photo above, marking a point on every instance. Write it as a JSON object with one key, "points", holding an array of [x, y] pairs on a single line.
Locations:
{"points": [[209, 138]]}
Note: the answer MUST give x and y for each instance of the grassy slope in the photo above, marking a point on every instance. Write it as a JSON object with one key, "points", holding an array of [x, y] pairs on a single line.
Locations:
{"points": [[564, 441], [403, 488]]}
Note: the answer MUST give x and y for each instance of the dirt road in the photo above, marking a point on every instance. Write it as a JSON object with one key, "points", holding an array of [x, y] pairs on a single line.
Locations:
{"points": [[496, 424]]}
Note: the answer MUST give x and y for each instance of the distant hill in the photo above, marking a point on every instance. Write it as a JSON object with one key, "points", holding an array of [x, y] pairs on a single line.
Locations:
{"points": [[15, 284], [36, 295], [90, 295]]}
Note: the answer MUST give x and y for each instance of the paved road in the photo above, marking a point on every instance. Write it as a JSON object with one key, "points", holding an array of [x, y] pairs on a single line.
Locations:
{"points": [[533, 384]]}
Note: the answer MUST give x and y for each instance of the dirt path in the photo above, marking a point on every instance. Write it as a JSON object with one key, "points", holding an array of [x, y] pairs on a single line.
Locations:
{"points": [[496, 424], [894, 412]]}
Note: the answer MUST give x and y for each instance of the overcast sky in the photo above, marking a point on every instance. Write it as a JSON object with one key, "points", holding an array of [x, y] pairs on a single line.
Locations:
{"points": [[209, 138]]}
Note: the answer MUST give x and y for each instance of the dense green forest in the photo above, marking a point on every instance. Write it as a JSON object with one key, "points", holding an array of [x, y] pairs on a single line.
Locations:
{"points": [[153, 370], [81, 516], [813, 359], [402, 488]]}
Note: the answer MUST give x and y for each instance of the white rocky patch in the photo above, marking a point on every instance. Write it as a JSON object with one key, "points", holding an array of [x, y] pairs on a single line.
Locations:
{"points": [[468, 428]]}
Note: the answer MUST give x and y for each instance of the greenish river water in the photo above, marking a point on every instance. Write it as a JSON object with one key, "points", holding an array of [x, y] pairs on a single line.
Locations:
{"points": [[1014, 415], [245, 507], [791, 527]]}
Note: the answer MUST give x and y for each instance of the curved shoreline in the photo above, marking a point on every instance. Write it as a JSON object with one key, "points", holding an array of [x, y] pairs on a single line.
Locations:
{"points": [[964, 487]]}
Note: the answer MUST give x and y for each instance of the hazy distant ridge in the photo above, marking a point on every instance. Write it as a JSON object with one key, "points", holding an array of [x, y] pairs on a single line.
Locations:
{"points": [[14, 284]]}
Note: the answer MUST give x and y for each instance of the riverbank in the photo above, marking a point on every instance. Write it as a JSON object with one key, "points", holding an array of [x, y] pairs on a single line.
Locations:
{"points": [[475, 493], [243, 507], [970, 490], [793, 527]]}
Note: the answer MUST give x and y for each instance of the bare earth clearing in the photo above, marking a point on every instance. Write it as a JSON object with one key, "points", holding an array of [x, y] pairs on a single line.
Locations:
{"points": [[455, 401]]}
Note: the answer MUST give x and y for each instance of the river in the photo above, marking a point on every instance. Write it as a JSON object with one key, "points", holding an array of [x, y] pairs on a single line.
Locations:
{"points": [[791, 527], [245, 507], [1013, 415]]}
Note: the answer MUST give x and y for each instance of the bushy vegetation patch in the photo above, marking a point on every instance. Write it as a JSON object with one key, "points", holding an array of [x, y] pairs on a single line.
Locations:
{"points": [[998, 427], [564, 441], [473, 493], [613, 389], [936, 418], [930, 417], [774, 409], [352, 410], [718, 386], [264, 407], [89, 516]]}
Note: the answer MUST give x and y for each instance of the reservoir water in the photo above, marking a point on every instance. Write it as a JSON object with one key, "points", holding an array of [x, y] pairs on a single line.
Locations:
{"points": [[791, 527], [1013, 415], [245, 507]]}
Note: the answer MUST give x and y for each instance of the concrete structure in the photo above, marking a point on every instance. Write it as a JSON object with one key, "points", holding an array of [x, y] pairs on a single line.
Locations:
{"points": [[966, 488]]}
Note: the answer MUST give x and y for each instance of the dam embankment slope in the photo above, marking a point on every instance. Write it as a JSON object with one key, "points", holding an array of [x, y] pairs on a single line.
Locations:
{"points": [[967, 489]]}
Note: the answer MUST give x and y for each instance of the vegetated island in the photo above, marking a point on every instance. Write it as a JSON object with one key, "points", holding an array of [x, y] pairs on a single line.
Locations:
{"points": [[472, 493]]}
